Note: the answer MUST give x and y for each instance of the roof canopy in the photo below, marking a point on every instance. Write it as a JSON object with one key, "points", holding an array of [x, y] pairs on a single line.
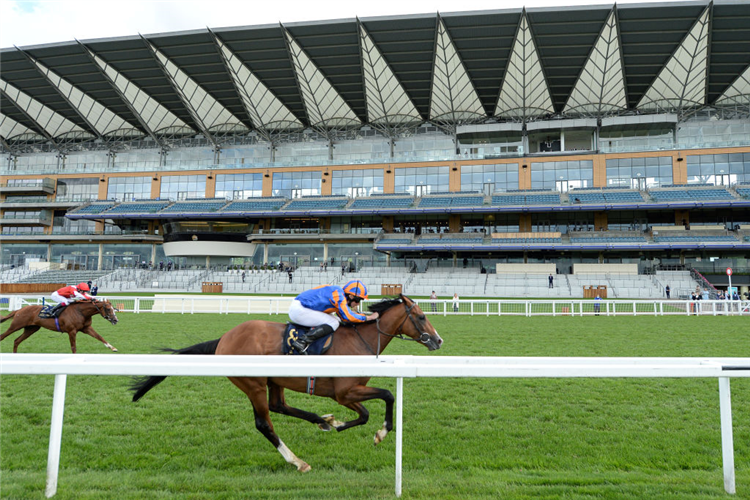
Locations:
{"points": [[507, 65]]}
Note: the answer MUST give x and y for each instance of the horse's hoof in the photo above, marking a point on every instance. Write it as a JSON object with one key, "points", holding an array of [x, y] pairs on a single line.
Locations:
{"points": [[304, 467], [324, 427], [331, 420], [114, 350], [380, 436]]}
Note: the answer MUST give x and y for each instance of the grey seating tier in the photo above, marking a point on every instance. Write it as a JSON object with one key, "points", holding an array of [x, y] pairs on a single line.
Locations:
{"points": [[197, 206], [696, 237], [501, 241], [317, 204], [254, 206], [692, 195], [452, 201], [95, 208], [137, 208], [609, 239], [528, 199], [366, 203]]}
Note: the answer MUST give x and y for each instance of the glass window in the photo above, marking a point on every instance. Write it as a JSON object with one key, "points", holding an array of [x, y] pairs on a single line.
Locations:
{"points": [[433, 180], [562, 175], [181, 187], [128, 188], [357, 182], [719, 169], [634, 172], [239, 186], [77, 189], [295, 184]]}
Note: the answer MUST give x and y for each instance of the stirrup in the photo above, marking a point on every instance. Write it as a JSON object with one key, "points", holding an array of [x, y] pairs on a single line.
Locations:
{"points": [[301, 347]]}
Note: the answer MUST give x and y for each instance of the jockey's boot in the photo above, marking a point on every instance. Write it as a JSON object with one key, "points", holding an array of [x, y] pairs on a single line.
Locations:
{"points": [[57, 310], [302, 342]]}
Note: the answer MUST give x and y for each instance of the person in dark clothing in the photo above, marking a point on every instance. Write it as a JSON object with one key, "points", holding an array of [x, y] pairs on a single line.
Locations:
{"points": [[551, 281]]}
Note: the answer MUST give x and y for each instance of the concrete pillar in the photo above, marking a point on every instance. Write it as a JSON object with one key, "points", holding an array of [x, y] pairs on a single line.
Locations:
{"points": [[100, 260], [325, 252], [265, 253]]}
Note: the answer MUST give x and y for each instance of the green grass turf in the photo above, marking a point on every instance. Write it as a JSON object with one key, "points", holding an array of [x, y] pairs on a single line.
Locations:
{"points": [[194, 438]]}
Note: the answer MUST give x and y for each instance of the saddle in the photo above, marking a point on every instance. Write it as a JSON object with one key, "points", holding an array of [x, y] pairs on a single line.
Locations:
{"points": [[318, 347], [48, 311]]}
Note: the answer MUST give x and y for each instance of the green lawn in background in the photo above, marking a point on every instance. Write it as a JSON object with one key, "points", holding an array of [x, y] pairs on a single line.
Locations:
{"points": [[194, 438]]}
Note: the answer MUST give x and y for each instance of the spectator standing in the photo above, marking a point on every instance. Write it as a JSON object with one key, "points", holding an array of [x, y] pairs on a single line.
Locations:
{"points": [[243, 276], [551, 281], [290, 274], [667, 291], [597, 305], [433, 299], [343, 268], [455, 302], [94, 290]]}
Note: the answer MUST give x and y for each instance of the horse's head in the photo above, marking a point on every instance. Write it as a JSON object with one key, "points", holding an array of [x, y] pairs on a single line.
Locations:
{"points": [[107, 310], [410, 320]]}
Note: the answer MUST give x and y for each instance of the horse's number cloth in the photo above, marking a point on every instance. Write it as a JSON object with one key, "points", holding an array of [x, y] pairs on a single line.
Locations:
{"points": [[293, 331]]}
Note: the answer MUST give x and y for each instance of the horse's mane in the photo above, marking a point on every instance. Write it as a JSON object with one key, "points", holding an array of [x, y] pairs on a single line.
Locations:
{"points": [[384, 305]]}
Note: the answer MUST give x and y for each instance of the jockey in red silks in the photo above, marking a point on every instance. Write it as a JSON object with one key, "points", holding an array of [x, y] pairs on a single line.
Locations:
{"points": [[314, 307], [69, 294]]}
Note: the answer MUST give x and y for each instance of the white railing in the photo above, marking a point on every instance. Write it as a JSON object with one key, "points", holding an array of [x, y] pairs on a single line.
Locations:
{"points": [[194, 304], [399, 367]]}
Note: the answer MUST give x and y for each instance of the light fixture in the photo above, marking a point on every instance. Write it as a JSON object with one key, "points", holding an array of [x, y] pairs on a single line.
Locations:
{"points": [[525, 166], [210, 175], [326, 172], [267, 174], [388, 171]]}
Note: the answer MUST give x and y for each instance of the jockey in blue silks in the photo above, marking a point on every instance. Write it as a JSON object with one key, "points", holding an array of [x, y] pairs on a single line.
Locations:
{"points": [[314, 307]]}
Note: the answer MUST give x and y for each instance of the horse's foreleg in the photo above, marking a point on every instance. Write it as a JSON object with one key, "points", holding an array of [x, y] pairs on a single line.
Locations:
{"points": [[90, 331], [351, 399], [277, 404], [27, 332], [256, 392]]}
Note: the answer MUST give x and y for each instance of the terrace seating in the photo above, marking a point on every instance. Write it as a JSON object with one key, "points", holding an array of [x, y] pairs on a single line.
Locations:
{"points": [[317, 204], [95, 208], [261, 205], [526, 238], [195, 206], [138, 207], [743, 191], [451, 201], [696, 237], [702, 194], [527, 199], [374, 203], [606, 197], [395, 241], [451, 240], [608, 239]]}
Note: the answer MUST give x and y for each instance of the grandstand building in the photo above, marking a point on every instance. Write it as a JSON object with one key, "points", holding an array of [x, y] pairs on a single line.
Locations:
{"points": [[596, 134]]}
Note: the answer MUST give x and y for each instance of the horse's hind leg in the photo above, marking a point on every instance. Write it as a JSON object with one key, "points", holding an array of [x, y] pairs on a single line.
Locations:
{"points": [[352, 396], [90, 331], [27, 332], [256, 392], [277, 404]]}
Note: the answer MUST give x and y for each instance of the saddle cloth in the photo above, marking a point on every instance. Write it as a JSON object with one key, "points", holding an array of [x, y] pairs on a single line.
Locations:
{"points": [[46, 312], [318, 347]]}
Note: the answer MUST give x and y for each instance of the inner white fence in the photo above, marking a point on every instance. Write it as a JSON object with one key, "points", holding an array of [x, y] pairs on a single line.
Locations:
{"points": [[193, 304], [399, 367]]}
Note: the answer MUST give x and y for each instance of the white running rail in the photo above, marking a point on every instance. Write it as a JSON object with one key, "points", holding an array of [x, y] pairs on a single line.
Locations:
{"points": [[399, 367]]}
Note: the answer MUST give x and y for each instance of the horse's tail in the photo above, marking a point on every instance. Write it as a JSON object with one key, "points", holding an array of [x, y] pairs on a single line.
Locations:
{"points": [[6, 318], [142, 385]]}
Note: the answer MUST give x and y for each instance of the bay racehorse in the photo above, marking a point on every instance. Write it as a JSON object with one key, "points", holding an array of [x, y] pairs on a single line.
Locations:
{"points": [[399, 318], [75, 318]]}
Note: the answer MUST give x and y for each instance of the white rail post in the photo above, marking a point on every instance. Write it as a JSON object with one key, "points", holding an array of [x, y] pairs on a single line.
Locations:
{"points": [[55, 435], [727, 444], [399, 431]]}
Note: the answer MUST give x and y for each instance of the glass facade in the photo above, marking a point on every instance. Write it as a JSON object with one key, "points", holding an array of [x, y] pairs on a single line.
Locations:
{"points": [[639, 173], [17, 254], [182, 187], [77, 189], [562, 175], [357, 182], [489, 179], [128, 188], [296, 184], [720, 170], [420, 181], [85, 256], [239, 186]]}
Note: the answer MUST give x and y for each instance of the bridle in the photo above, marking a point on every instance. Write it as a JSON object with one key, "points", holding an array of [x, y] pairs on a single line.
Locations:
{"points": [[423, 338], [105, 316]]}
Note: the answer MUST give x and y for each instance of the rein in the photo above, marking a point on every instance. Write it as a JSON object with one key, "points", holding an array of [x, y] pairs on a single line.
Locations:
{"points": [[399, 333]]}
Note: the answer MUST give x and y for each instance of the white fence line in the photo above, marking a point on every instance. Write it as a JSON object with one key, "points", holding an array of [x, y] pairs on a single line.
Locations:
{"points": [[195, 304], [399, 367]]}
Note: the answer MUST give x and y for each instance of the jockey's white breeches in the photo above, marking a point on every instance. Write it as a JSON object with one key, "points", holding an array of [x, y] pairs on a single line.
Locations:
{"points": [[60, 299], [309, 317]]}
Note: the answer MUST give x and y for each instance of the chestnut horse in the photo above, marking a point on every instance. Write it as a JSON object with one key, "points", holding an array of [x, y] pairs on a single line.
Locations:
{"points": [[399, 318], [75, 318]]}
